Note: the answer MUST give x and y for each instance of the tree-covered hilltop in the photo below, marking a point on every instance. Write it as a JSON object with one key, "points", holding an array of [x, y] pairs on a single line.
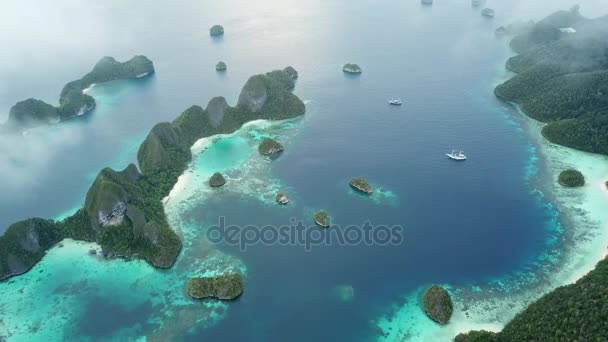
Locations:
{"points": [[24, 243], [225, 287], [577, 312], [123, 211], [562, 79], [167, 148], [72, 101]]}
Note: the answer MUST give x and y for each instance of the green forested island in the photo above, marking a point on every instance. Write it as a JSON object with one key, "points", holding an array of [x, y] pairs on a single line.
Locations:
{"points": [[322, 219], [72, 101], [216, 30], [571, 178], [269, 147], [225, 287], [562, 79], [438, 304], [123, 210]]}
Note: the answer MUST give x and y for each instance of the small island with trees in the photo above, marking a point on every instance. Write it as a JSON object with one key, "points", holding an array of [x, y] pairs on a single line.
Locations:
{"points": [[269, 147], [216, 30], [361, 185], [322, 219], [571, 178], [220, 66], [438, 304], [351, 68], [217, 180], [224, 287]]}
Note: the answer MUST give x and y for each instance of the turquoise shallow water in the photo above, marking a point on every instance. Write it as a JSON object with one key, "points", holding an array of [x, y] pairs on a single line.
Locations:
{"points": [[514, 228]]}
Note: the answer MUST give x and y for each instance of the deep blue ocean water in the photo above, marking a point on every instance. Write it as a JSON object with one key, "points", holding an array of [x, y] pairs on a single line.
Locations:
{"points": [[463, 222]]}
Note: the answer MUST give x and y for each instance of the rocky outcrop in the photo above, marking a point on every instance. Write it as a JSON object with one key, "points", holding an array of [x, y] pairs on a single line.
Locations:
{"points": [[438, 304], [281, 198], [351, 68], [163, 148], [254, 94], [361, 185], [322, 219], [126, 222], [269, 147], [217, 180], [32, 113], [216, 30], [291, 72], [24, 243], [225, 287], [216, 109], [220, 66]]}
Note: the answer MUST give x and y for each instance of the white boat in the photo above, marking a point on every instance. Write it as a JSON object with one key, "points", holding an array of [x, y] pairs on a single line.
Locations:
{"points": [[395, 102], [427, 2], [477, 3], [456, 156]]}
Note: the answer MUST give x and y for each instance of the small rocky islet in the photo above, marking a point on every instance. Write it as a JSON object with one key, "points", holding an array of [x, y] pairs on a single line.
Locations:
{"points": [[270, 147], [217, 180], [351, 68], [224, 287], [322, 219], [361, 184], [216, 30], [438, 304], [220, 66], [281, 198], [571, 178]]}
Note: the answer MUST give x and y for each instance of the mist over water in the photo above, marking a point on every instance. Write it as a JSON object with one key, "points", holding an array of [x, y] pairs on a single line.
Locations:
{"points": [[478, 223]]}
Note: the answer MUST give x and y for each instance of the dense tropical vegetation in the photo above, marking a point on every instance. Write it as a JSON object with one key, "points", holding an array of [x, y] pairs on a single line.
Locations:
{"points": [[225, 286], [438, 304], [123, 211], [562, 79], [571, 178]]}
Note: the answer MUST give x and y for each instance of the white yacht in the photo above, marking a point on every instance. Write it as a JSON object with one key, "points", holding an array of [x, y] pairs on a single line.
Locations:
{"points": [[456, 156], [395, 102]]}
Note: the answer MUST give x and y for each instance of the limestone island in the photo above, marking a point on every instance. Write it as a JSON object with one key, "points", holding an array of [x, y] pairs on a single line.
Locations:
{"points": [[72, 100], [438, 304], [217, 180], [291, 72], [571, 178], [269, 147], [351, 68], [123, 210], [216, 30], [322, 219], [281, 198], [220, 66], [361, 185], [224, 287]]}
